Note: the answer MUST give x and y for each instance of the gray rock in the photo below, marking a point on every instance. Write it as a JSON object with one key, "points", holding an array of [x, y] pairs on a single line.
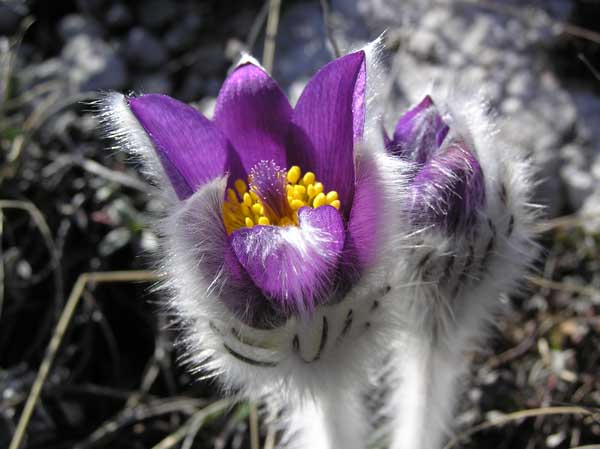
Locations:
{"points": [[301, 49], [183, 35], [209, 60], [143, 50], [118, 16], [47, 70], [207, 106], [192, 88], [581, 159], [74, 25], [91, 6], [591, 213], [155, 14], [468, 48], [153, 83], [93, 65], [11, 14]]}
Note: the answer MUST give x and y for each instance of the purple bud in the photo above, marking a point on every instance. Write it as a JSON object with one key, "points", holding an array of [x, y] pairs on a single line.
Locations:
{"points": [[448, 190], [419, 133]]}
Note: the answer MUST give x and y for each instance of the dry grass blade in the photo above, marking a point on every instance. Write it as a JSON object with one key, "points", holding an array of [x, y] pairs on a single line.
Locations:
{"points": [[253, 421], [516, 416], [564, 222], [59, 332], [130, 416], [1, 264], [193, 425], [328, 28], [42, 225], [589, 65], [7, 68], [564, 286], [257, 25], [271, 34], [270, 437], [48, 108]]}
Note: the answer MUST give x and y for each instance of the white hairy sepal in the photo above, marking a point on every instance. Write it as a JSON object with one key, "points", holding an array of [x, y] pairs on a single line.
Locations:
{"points": [[128, 135], [457, 280]]}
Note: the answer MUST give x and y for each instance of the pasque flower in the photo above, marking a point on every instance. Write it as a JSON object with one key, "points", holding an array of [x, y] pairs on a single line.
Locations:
{"points": [[271, 233], [468, 212], [293, 211]]}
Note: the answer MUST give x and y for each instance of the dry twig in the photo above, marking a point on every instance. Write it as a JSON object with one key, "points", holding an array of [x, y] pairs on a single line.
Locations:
{"points": [[59, 332], [271, 34], [517, 416]]}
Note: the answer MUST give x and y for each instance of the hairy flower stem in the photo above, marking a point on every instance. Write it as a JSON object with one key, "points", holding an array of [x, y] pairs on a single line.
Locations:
{"points": [[426, 395]]}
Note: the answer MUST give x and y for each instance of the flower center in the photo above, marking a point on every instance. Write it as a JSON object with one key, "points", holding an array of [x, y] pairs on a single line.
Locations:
{"points": [[274, 197]]}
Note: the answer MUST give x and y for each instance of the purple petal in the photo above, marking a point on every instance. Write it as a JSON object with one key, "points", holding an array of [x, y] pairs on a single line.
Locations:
{"points": [[198, 238], [362, 236], [327, 122], [254, 114], [191, 149], [419, 132], [449, 190], [293, 265]]}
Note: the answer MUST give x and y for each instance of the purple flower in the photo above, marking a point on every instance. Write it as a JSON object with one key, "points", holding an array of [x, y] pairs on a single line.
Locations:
{"points": [[447, 186], [299, 216]]}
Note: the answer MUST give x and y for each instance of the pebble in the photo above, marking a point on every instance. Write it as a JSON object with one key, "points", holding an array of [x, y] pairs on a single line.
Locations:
{"points": [[91, 64], [144, 50]]}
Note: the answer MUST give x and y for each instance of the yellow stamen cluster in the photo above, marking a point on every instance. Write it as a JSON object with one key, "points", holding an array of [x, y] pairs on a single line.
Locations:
{"points": [[244, 208]]}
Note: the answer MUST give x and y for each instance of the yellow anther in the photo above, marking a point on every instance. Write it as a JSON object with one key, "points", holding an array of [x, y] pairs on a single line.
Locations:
{"points": [[231, 195], [299, 190], [240, 186], [294, 174], [332, 196], [248, 199], [285, 221], [243, 207], [308, 178], [297, 204], [258, 209], [319, 200]]}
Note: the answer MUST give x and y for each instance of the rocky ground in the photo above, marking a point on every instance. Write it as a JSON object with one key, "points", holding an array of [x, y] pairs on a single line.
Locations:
{"points": [[116, 382]]}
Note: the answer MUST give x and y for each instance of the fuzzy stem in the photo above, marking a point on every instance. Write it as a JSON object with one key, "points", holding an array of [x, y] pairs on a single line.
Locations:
{"points": [[427, 390], [333, 421]]}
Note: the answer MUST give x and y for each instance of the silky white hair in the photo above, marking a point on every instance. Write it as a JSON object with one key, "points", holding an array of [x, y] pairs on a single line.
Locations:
{"points": [[459, 281], [401, 331]]}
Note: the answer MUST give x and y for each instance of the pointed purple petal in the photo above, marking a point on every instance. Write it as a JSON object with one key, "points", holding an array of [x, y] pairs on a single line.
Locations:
{"points": [[362, 236], [293, 265], [254, 114], [191, 149], [449, 190], [327, 122], [419, 132]]}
